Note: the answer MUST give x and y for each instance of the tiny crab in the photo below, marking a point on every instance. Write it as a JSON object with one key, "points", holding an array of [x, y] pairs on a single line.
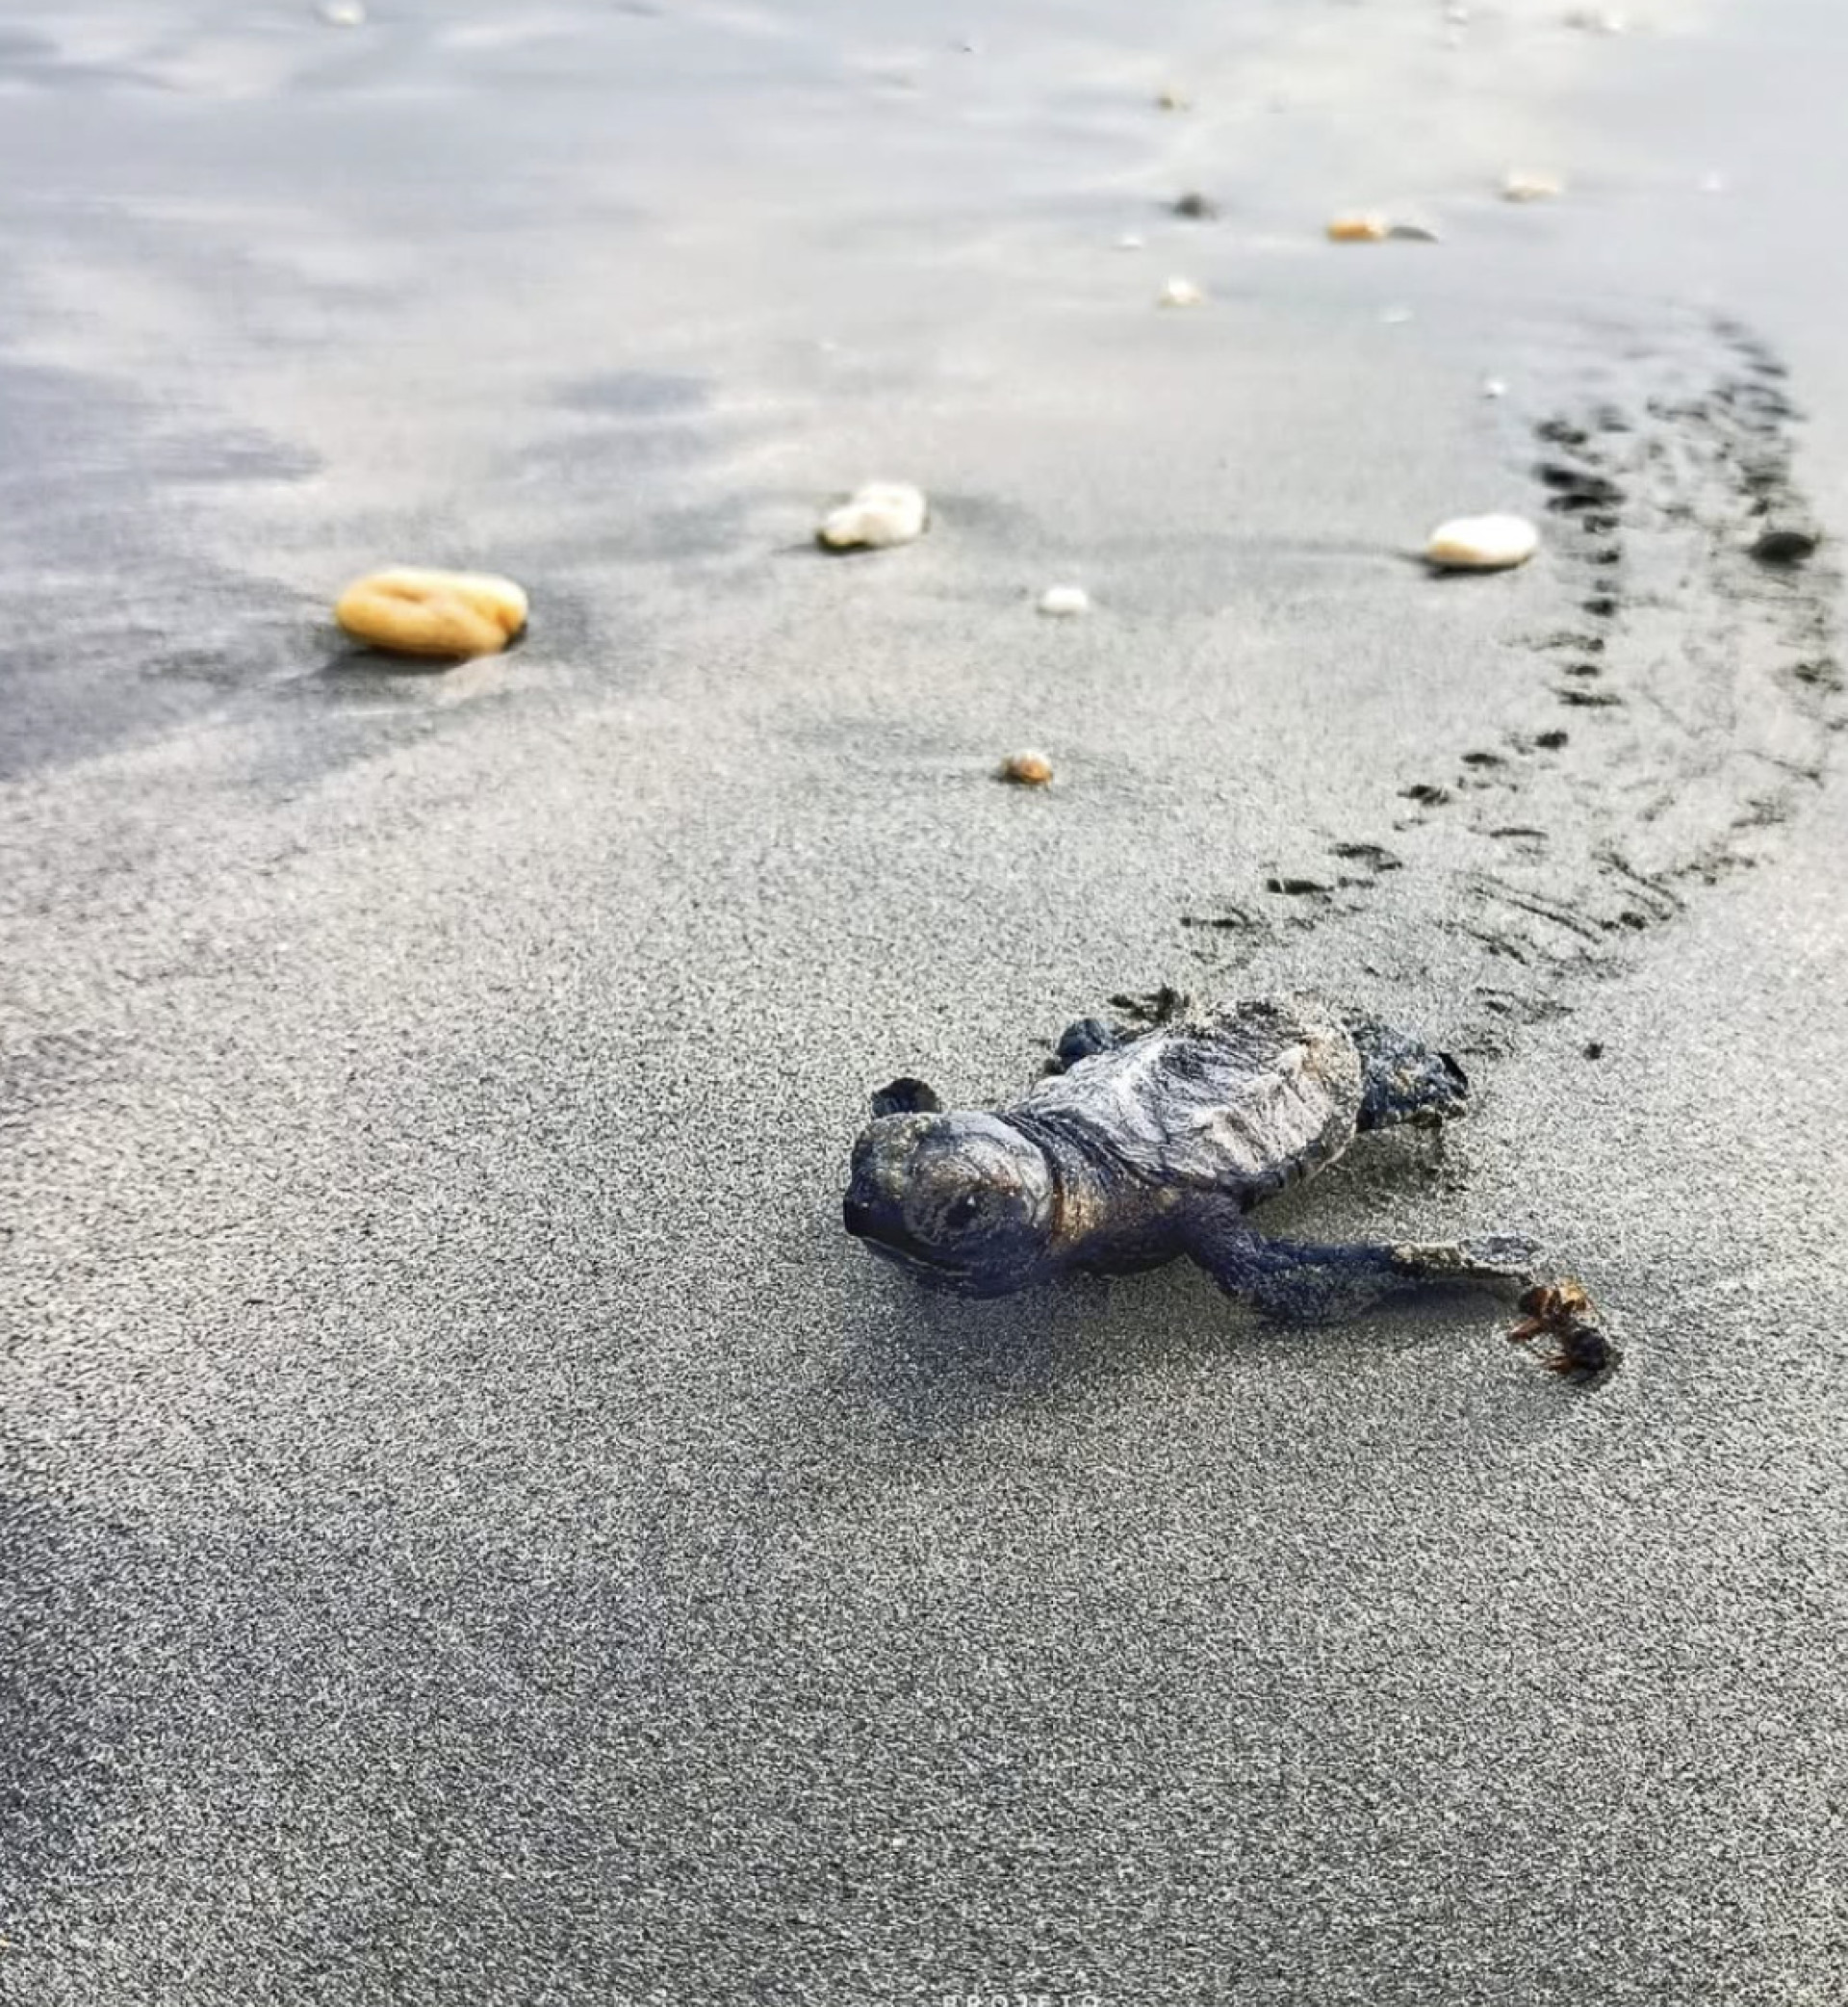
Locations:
{"points": [[1563, 1312]]}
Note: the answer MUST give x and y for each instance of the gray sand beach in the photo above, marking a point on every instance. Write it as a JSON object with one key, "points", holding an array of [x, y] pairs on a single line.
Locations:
{"points": [[472, 1528]]}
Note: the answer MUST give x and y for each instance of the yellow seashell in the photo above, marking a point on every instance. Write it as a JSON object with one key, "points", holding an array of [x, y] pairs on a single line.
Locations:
{"points": [[446, 615], [1026, 769]]}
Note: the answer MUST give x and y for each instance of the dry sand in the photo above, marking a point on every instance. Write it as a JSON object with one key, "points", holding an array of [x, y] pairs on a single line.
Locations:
{"points": [[475, 1530]]}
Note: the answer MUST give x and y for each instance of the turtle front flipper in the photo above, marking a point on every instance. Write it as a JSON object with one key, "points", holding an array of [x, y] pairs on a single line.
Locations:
{"points": [[1305, 1282], [905, 1096], [1083, 1041], [1299, 1283], [1090, 1036]]}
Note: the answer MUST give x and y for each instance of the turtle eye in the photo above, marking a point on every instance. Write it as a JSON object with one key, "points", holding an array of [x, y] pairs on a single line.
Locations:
{"points": [[964, 1211]]}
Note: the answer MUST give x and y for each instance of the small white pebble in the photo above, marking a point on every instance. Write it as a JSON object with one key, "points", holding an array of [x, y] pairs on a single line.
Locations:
{"points": [[1180, 292], [1483, 543], [1493, 386], [1532, 188], [343, 14], [875, 517], [1063, 602], [1130, 242]]}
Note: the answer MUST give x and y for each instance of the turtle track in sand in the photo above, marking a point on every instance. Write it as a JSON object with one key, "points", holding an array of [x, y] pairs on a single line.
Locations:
{"points": [[1653, 744]]}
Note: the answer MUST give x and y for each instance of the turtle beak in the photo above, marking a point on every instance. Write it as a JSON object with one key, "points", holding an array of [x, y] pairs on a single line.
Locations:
{"points": [[874, 1207], [880, 1229]]}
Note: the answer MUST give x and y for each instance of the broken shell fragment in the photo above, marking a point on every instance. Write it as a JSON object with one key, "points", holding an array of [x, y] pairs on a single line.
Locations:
{"points": [[450, 615], [1180, 292], [1481, 544], [1064, 601], [1532, 188], [875, 517], [1025, 771], [1376, 229]]}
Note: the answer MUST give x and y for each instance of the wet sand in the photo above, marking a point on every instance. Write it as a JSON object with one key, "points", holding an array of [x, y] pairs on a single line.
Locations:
{"points": [[473, 1528]]}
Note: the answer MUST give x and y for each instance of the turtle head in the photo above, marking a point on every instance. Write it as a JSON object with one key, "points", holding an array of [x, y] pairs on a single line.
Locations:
{"points": [[1403, 1080], [963, 1202]]}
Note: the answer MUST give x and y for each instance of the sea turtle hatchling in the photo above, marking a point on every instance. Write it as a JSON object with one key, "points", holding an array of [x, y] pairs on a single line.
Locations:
{"points": [[1144, 1144]]}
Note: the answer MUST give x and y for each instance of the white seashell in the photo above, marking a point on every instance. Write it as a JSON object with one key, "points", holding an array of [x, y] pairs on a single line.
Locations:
{"points": [[1493, 386], [875, 517], [1064, 600], [1130, 242], [1483, 543], [1180, 292], [1532, 188]]}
